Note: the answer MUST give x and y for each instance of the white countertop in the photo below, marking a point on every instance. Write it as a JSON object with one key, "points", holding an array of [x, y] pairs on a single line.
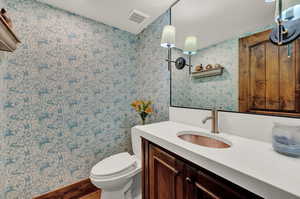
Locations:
{"points": [[252, 158]]}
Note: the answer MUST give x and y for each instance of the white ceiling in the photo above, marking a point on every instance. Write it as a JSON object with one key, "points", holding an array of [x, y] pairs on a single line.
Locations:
{"points": [[114, 12], [214, 21]]}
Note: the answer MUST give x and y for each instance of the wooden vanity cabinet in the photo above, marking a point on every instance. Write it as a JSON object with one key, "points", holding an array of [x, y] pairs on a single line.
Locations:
{"points": [[167, 176]]}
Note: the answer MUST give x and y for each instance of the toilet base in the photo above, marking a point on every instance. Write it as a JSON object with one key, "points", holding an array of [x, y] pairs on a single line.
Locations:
{"points": [[138, 197], [124, 193]]}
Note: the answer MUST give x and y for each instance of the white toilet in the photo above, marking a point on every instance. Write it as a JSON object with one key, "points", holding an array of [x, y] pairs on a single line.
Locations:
{"points": [[118, 176]]}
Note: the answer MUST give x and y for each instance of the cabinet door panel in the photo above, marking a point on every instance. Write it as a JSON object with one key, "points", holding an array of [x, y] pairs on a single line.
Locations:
{"points": [[165, 175], [297, 61], [258, 76], [193, 188], [272, 77], [204, 193], [287, 79], [210, 186], [189, 188], [201, 184]]}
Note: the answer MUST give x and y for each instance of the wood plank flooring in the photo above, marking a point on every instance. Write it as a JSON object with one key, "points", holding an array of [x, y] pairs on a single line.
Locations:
{"points": [[80, 190], [94, 195]]}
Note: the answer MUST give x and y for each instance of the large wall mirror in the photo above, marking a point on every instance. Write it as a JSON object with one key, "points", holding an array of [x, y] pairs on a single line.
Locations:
{"points": [[235, 67]]}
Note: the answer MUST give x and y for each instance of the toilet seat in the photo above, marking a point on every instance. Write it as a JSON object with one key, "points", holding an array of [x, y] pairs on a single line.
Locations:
{"points": [[114, 166]]}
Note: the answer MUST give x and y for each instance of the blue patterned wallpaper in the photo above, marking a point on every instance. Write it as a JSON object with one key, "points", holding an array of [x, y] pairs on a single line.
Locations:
{"points": [[153, 74], [65, 96]]}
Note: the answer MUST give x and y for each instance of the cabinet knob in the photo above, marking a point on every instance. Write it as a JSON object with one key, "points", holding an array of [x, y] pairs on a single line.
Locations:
{"points": [[189, 180]]}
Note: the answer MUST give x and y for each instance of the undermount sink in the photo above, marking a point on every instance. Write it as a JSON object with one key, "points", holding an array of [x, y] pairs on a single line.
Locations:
{"points": [[204, 140]]}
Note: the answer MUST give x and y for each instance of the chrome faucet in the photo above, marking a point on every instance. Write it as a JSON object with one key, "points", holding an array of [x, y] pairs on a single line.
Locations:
{"points": [[214, 122]]}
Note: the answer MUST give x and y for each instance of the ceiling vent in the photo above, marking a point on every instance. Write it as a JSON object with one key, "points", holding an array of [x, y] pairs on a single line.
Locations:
{"points": [[137, 17]]}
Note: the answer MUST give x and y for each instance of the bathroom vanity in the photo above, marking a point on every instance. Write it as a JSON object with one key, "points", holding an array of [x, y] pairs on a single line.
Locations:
{"points": [[174, 168], [168, 176]]}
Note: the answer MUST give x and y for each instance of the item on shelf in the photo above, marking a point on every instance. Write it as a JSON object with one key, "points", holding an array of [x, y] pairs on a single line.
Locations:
{"points": [[217, 66], [208, 66], [199, 68]]}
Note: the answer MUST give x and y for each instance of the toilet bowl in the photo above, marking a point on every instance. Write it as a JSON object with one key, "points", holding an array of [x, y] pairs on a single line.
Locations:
{"points": [[115, 174], [119, 176]]}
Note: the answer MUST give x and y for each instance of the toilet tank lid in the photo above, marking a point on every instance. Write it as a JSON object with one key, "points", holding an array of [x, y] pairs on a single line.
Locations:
{"points": [[114, 164]]}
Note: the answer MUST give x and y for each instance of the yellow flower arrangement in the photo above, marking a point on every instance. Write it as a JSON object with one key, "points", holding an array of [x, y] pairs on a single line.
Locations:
{"points": [[144, 108]]}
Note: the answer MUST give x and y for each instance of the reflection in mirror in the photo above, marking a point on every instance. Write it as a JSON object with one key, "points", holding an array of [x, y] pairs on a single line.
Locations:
{"points": [[220, 91], [236, 67], [215, 21]]}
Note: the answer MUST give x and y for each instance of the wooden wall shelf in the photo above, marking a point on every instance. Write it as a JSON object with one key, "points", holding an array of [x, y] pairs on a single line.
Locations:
{"points": [[208, 72]]}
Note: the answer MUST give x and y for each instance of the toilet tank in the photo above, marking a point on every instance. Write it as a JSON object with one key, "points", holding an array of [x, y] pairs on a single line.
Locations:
{"points": [[136, 142]]}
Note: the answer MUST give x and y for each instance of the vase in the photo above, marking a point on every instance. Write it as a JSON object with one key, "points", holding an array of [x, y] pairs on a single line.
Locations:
{"points": [[143, 117], [286, 139], [143, 121]]}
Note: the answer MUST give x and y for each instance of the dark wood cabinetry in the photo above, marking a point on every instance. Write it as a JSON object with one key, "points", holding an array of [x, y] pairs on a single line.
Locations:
{"points": [[269, 76], [165, 173], [167, 176]]}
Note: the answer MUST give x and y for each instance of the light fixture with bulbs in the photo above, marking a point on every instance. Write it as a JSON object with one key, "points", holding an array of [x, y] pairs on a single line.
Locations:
{"points": [[168, 37], [190, 45], [168, 41], [190, 48]]}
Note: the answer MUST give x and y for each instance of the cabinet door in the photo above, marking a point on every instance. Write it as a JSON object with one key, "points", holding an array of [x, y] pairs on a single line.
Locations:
{"points": [[195, 189], [205, 185], [189, 187], [165, 175]]}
